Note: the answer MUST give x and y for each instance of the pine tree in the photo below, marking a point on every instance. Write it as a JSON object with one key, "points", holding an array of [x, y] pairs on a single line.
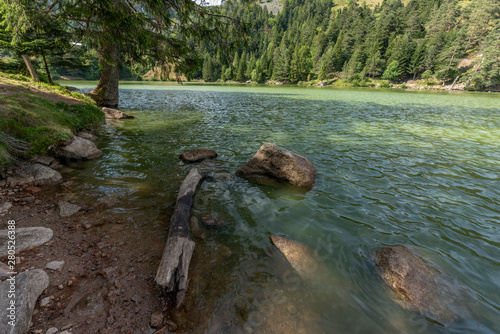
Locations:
{"points": [[242, 67], [208, 70]]}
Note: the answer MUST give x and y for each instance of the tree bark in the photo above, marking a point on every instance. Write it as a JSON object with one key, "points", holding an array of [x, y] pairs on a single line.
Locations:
{"points": [[106, 92], [172, 274], [47, 69], [30, 67]]}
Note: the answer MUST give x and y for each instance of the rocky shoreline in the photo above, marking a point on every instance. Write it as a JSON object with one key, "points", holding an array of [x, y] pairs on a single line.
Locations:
{"points": [[81, 270]]}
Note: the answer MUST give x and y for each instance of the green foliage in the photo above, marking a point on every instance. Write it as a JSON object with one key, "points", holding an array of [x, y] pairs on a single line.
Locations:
{"points": [[392, 72], [39, 121]]}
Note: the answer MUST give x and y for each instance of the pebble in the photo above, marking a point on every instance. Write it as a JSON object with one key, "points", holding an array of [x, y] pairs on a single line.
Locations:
{"points": [[70, 282], [45, 302], [52, 330], [55, 265], [60, 287], [156, 319], [68, 326], [37, 331], [172, 326]]}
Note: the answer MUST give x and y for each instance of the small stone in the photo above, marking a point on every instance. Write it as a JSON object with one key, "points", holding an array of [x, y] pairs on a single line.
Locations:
{"points": [[172, 326], [109, 202], [4, 271], [18, 260], [5, 206], [118, 284], [28, 199], [32, 190], [44, 160], [70, 283], [67, 209], [45, 302], [156, 319], [60, 287], [68, 326], [67, 184], [52, 330], [37, 331], [65, 332], [55, 265]]}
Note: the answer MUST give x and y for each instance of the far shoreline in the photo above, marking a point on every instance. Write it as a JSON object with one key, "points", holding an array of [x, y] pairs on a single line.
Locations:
{"points": [[409, 85]]}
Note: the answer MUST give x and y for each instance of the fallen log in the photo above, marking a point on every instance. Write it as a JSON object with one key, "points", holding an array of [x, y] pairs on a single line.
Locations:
{"points": [[172, 274]]}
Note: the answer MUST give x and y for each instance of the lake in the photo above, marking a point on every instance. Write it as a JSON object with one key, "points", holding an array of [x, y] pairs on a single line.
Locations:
{"points": [[418, 168]]}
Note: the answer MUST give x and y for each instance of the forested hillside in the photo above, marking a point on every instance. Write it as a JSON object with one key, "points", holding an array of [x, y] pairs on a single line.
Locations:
{"points": [[396, 40]]}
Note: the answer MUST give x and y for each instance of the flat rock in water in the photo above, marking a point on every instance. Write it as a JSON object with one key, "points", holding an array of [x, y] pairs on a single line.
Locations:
{"points": [[274, 162], [302, 258], [111, 113], [417, 283], [28, 286], [36, 174], [87, 135], [78, 149], [67, 209], [5, 206], [198, 154], [26, 238]]}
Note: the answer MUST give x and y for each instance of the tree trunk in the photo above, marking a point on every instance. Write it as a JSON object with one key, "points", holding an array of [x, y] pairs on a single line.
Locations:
{"points": [[47, 69], [106, 93], [172, 275], [30, 67]]}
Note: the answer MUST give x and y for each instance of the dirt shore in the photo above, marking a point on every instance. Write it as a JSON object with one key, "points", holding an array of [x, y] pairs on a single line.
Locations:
{"points": [[107, 282]]}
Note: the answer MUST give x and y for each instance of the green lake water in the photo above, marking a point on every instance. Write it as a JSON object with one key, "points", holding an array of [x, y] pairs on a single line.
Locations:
{"points": [[417, 168]]}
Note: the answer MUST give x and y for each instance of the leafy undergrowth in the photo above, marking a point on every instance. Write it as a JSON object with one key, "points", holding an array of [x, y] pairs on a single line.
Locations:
{"points": [[40, 115]]}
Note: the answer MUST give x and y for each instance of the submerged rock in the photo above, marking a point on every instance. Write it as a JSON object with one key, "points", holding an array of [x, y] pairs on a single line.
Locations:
{"points": [[26, 238], [111, 113], [198, 154], [418, 284], [78, 149], [28, 287], [36, 174], [301, 257], [274, 162]]}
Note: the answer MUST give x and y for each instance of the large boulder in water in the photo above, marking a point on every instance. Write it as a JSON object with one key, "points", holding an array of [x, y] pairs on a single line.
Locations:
{"points": [[418, 284], [274, 162], [78, 149]]}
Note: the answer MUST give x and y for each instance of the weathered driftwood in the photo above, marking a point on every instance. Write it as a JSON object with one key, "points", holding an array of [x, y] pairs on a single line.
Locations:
{"points": [[172, 275]]}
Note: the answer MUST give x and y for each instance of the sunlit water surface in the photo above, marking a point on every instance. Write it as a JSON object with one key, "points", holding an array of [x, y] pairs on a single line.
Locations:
{"points": [[393, 167]]}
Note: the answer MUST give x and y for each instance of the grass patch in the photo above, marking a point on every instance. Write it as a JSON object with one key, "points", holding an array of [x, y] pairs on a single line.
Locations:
{"points": [[41, 115]]}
